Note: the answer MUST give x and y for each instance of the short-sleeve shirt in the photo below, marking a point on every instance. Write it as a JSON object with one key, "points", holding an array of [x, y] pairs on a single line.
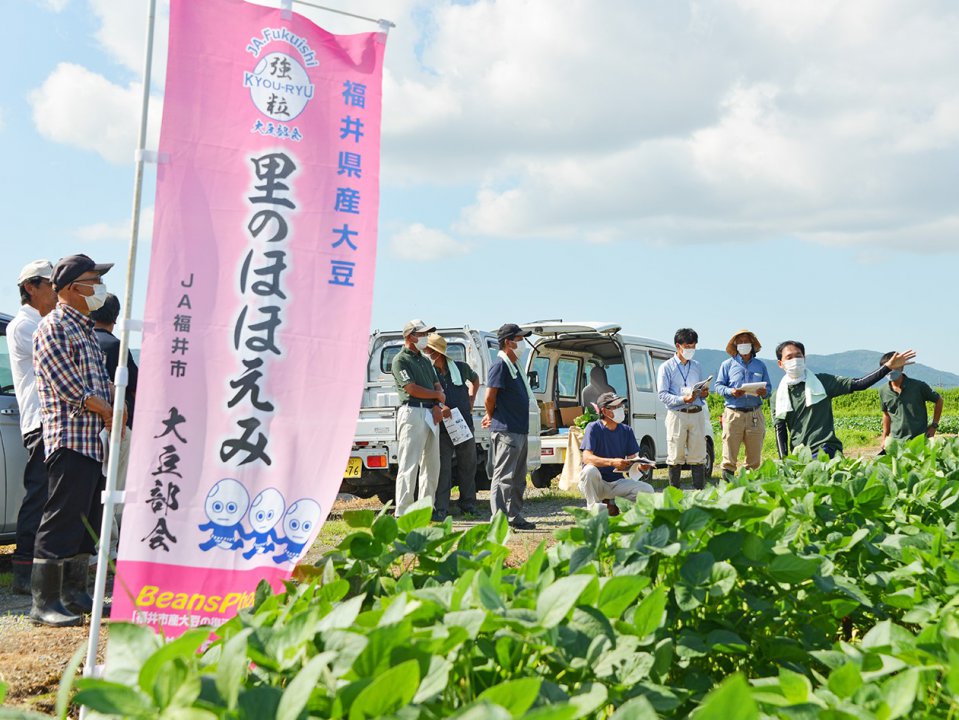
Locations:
{"points": [[814, 426], [511, 413], [458, 396], [605, 443], [907, 409], [412, 367]]}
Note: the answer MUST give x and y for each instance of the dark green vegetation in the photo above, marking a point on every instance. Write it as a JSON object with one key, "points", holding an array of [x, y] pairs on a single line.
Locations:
{"points": [[802, 590]]}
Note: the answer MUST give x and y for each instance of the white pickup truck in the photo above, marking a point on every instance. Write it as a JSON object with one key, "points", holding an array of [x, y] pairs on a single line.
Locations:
{"points": [[371, 469]]}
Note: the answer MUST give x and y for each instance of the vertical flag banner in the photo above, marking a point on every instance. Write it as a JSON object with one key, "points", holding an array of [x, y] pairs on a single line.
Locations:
{"points": [[258, 307]]}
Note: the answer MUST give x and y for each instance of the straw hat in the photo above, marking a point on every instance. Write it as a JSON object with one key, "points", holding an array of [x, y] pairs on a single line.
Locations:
{"points": [[436, 342], [731, 345]]}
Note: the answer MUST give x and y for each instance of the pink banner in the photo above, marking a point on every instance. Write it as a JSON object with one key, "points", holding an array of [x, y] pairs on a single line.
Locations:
{"points": [[258, 307]]}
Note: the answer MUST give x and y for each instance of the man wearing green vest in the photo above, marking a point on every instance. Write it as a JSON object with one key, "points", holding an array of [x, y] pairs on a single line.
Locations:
{"points": [[903, 401], [802, 405], [417, 419]]}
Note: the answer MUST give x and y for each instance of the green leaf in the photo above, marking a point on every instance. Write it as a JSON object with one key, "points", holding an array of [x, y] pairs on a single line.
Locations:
{"points": [[388, 692], [698, 568], [845, 680], [722, 579], [362, 546], [112, 698], [297, 693], [534, 564], [900, 691], [418, 515], [232, 668], [649, 614], [792, 569], [590, 698], [732, 699], [636, 709], [385, 529], [795, 687], [359, 518], [517, 696], [619, 592], [487, 593], [157, 674], [498, 529], [342, 615], [128, 649], [555, 602], [66, 683]]}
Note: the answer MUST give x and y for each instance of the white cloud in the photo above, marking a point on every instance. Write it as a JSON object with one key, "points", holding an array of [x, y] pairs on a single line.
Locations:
{"points": [[685, 122], [78, 107], [116, 232], [418, 242], [54, 5]]}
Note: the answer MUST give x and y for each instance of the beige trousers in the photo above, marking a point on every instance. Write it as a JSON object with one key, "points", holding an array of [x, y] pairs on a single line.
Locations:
{"points": [[743, 427], [685, 438], [418, 454], [595, 489]]}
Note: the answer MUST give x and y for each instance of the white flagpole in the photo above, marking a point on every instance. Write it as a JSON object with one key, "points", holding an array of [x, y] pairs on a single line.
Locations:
{"points": [[119, 393]]}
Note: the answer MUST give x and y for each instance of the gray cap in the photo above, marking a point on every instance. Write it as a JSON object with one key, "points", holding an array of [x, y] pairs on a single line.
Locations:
{"points": [[417, 326]]}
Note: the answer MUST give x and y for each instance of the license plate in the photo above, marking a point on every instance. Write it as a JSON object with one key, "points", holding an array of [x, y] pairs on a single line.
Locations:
{"points": [[353, 467]]}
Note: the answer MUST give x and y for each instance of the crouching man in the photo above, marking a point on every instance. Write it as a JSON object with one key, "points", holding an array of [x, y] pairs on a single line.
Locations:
{"points": [[609, 450]]}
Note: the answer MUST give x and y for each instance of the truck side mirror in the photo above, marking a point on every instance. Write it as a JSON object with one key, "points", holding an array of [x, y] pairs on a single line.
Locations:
{"points": [[533, 376]]}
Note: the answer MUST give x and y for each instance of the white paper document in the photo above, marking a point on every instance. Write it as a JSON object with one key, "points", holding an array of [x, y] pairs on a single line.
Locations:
{"points": [[457, 428], [752, 388]]}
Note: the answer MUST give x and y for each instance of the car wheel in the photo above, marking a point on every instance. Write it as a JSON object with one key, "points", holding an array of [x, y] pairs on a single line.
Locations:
{"points": [[647, 450], [543, 476]]}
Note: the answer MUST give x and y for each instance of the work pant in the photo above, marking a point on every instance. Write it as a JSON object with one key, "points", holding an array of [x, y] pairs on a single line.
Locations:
{"points": [[418, 454], [465, 454], [685, 438], [739, 427], [595, 489], [35, 484], [76, 482], [508, 482]]}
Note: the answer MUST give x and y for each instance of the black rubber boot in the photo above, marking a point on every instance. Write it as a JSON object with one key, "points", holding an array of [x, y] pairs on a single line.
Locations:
{"points": [[21, 576], [674, 472], [46, 579], [728, 475], [76, 580], [699, 476]]}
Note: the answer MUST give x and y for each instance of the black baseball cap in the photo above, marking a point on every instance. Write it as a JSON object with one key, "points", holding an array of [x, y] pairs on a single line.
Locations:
{"points": [[108, 312], [68, 269], [511, 330], [609, 399]]}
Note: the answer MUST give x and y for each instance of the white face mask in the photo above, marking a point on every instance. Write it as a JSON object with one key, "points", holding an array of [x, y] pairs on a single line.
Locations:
{"points": [[744, 348], [95, 301], [421, 343], [619, 414], [795, 367], [688, 353]]}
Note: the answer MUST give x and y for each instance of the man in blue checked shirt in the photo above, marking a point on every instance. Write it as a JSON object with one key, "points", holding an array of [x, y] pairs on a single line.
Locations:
{"points": [[743, 420], [685, 437]]}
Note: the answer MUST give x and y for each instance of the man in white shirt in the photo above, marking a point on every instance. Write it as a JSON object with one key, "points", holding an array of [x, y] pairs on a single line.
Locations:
{"points": [[37, 298]]}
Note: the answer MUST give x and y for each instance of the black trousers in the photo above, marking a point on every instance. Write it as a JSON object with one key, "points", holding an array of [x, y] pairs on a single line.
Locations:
{"points": [[465, 472], [76, 482], [35, 484]]}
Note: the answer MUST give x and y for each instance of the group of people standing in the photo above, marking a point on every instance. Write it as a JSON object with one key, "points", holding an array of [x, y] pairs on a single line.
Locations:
{"points": [[430, 384], [63, 354]]}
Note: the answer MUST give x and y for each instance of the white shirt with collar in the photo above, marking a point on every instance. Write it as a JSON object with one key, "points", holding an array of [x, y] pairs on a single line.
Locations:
{"points": [[20, 343]]}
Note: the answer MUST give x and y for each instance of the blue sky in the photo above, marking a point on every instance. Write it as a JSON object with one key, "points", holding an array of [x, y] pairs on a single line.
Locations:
{"points": [[786, 167]]}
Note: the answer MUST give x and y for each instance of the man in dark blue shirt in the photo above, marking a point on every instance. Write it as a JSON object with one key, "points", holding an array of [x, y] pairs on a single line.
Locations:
{"points": [[507, 417], [460, 385], [609, 451]]}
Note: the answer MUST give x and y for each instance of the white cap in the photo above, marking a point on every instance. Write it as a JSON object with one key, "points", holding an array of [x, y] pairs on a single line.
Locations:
{"points": [[36, 269]]}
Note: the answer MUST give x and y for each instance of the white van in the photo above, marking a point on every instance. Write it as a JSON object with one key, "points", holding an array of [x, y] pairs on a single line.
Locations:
{"points": [[571, 364], [372, 466]]}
